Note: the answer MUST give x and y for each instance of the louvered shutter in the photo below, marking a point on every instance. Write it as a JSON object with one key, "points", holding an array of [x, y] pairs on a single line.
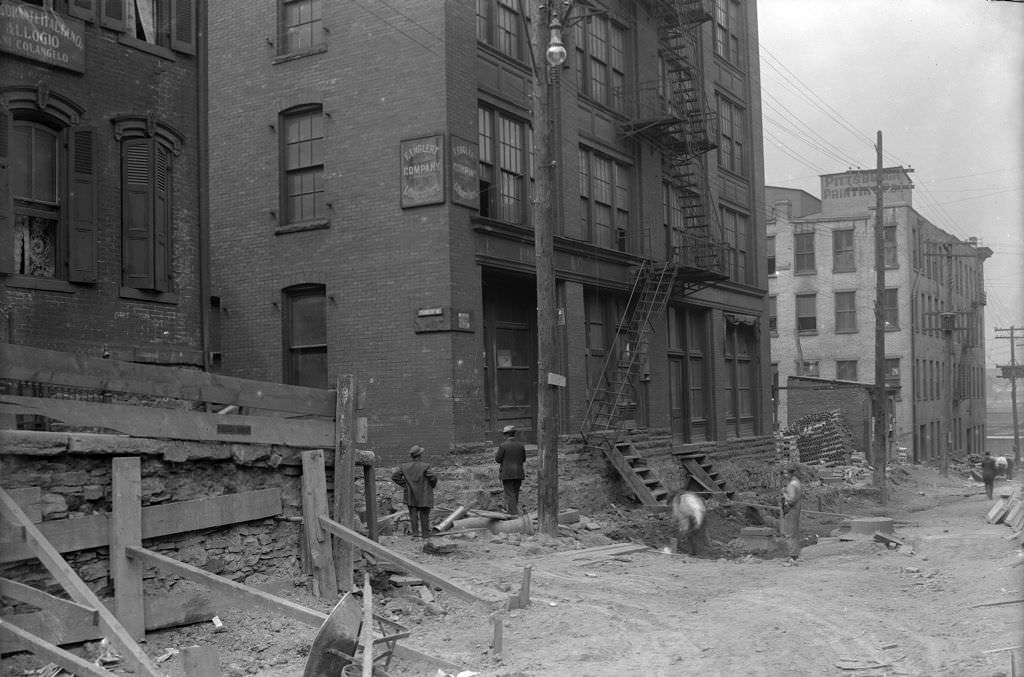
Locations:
{"points": [[183, 26], [112, 15], [137, 213], [6, 208], [81, 207], [161, 219], [83, 9]]}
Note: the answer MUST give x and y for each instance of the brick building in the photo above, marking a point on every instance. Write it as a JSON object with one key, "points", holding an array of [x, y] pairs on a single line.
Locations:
{"points": [[822, 307], [99, 189], [372, 168]]}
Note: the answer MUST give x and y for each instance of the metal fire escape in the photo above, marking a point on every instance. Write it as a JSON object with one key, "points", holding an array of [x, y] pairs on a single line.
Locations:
{"points": [[673, 116]]}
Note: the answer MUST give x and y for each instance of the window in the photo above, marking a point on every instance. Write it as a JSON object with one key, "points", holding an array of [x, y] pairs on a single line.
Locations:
{"points": [[842, 251], [505, 164], [305, 335], [809, 368], [688, 365], [740, 347], [730, 146], [846, 312], [146, 214], [773, 315], [892, 370], [803, 252], [738, 237], [891, 310], [889, 246], [302, 153], [600, 60], [301, 26], [605, 200], [771, 255], [728, 31], [168, 24], [806, 313], [47, 196], [846, 370], [500, 25]]}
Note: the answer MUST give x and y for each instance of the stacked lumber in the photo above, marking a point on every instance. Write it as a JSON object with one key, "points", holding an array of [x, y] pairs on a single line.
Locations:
{"points": [[1008, 510]]}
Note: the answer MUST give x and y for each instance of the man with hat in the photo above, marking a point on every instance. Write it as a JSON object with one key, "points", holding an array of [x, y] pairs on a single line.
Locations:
{"points": [[510, 457], [418, 480]]}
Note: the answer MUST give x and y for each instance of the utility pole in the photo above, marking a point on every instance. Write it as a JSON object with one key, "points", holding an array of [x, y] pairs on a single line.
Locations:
{"points": [[948, 319], [1013, 391], [546, 38], [881, 397]]}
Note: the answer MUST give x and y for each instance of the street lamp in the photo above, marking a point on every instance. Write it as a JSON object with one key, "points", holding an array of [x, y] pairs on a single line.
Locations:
{"points": [[556, 48]]}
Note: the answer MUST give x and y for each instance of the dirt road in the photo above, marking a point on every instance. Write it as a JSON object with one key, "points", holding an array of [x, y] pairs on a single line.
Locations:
{"points": [[850, 608]]}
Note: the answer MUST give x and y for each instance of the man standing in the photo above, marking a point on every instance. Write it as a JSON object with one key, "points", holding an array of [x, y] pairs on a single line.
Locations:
{"points": [[510, 457], [418, 480], [988, 473], [792, 497]]}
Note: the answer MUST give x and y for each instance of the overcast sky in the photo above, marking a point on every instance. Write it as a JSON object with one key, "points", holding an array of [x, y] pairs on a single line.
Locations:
{"points": [[943, 80]]}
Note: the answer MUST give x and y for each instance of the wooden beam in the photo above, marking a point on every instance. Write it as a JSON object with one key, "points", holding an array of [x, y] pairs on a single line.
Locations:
{"points": [[176, 424], [77, 588], [59, 621], [344, 475], [50, 366], [370, 493], [363, 543], [45, 601], [314, 504], [93, 531], [228, 587], [47, 651], [125, 530]]}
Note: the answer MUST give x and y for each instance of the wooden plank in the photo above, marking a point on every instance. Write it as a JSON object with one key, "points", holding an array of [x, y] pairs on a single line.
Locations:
{"points": [[228, 587], [46, 602], [698, 473], [59, 621], [49, 652], [998, 511], [370, 493], [176, 424], [93, 531], [363, 543], [30, 499], [77, 589], [125, 530], [314, 505], [344, 476], [200, 661], [49, 366]]}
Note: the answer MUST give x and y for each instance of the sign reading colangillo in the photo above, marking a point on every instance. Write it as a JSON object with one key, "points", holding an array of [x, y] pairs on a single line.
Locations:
{"points": [[42, 35]]}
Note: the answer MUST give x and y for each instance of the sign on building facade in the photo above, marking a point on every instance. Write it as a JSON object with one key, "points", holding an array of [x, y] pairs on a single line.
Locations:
{"points": [[41, 34], [422, 162]]}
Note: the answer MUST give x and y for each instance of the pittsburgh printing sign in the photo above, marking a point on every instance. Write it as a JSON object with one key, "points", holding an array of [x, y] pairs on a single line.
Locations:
{"points": [[465, 173], [42, 35], [423, 171]]}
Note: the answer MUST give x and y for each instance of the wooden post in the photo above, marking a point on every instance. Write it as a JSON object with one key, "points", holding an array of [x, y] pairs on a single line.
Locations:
{"points": [[344, 475], [125, 530], [200, 661], [498, 621], [370, 490], [524, 591], [314, 505], [367, 633]]}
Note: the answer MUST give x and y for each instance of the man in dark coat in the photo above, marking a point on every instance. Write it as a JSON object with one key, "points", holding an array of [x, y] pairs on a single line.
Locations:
{"points": [[510, 457], [988, 473], [418, 480]]}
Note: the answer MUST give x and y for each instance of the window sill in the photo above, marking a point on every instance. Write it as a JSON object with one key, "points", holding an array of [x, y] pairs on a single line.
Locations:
{"points": [[40, 283], [148, 47], [144, 295], [318, 224], [805, 272], [808, 332], [292, 56], [846, 331], [836, 271]]}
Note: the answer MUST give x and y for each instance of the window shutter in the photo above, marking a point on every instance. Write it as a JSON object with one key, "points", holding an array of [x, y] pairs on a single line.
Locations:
{"points": [[6, 208], [183, 26], [112, 15], [161, 219], [81, 212], [137, 213], [83, 9]]}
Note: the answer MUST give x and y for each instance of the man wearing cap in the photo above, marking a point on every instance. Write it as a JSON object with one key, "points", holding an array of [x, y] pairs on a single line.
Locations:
{"points": [[510, 458], [418, 480]]}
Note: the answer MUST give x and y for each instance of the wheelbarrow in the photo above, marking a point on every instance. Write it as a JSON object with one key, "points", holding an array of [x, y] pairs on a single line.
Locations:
{"points": [[336, 650]]}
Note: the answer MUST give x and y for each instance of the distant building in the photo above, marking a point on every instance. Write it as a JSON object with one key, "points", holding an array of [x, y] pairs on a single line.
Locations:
{"points": [[822, 294], [371, 183], [99, 183]]}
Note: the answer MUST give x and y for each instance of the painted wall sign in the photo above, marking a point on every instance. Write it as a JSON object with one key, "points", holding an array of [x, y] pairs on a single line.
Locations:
{"points": [[465, 173], [42, 35], [423, 171]]}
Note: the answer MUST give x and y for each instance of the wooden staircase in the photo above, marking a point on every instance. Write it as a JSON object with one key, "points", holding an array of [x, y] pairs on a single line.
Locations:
{"points": [[641, 479], [703, 480]]}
